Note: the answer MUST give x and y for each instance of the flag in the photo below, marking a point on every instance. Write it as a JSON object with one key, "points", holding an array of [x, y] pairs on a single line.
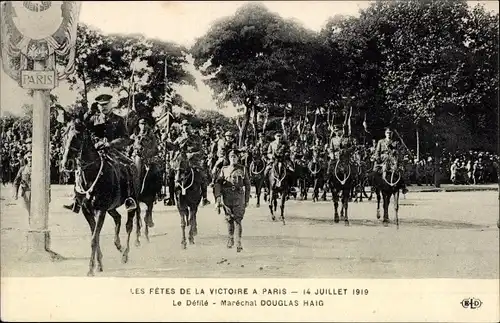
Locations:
{"points": [[365, 125], [168, 99]]}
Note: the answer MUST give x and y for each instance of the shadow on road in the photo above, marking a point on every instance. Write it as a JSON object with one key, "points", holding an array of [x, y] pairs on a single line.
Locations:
{"points": [[430, 223]]}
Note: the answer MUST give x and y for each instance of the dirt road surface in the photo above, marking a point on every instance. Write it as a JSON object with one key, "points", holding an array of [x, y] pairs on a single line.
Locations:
{"points": [[441, 235]]}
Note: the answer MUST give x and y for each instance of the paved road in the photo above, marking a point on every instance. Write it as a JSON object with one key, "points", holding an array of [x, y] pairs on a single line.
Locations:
{"points": [[442, 235]]}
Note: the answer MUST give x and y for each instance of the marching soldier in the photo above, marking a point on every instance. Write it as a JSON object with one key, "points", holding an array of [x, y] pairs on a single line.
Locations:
{"points": [[384, 148], [190, 144], [23, 181], [232, 193]]}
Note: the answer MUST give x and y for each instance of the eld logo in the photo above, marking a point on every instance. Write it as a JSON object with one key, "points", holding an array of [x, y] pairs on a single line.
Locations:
{"points": [[471, 303]]}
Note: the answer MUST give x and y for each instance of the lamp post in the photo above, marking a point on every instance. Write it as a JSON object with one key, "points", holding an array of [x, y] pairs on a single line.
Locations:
{"points": [[34, 33]]}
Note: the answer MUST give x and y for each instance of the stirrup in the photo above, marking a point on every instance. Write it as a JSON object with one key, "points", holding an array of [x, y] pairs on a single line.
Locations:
{"points": [[131, 204]]}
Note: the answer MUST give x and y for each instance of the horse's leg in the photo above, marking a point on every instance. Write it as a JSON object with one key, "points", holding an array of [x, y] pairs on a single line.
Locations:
{"points": [[118, 222], [396, 207], [315, 189], [138, 228], [377, 193], [282, 206], [271, 201], [387, 197], [335, 194], [96, 250], [275, 201], [345, 204], [193, 230], [258, 190], [148, 218], [128, 227], [230, 232], [184, 214], [89, 216]]}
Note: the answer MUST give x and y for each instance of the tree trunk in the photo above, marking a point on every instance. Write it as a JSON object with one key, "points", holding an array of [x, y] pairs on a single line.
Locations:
{"points": [[244, 127], [418, 143]]}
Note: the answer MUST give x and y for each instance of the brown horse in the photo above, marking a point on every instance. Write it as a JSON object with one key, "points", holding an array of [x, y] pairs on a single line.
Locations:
{"points": [[279, 179], [187, 195], [100, 187], [316, 173], [341, 179], [256, 172], [389, 185]]}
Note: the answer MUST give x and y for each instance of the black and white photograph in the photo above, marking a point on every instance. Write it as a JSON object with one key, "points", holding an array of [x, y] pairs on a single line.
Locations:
{"points": [[251, 140]]}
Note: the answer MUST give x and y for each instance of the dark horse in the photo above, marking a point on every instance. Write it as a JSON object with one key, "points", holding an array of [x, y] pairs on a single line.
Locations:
{"points": [[341, 180], [389, 185], [315, 167], [256, 172], [187, 195], [100, 187], [150, 187], [279, 179]]}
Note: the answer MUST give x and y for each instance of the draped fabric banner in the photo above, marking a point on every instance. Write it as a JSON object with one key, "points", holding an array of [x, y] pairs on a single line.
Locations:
{"points": [[38, 30]]}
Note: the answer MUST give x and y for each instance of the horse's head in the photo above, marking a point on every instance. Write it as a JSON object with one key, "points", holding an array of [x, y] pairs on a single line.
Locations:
{"points": [[184, 173], [74, 142]]}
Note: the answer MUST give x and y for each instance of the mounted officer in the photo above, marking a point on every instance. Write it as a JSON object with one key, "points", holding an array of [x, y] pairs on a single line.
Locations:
{"points": [[110, 135], [190, 144], [223, 147], [145, 150], [275, 150], [339, 142], [386, 147]]}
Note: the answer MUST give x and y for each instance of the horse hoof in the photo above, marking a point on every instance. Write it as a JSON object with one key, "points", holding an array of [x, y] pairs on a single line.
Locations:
{"points": [[258, 205], [347, 223], [336, 220], [90, 274], [378, 216], [124, 259], [230, 243], [273, 218], [137, 243], [191, 241], [184, 245], [99, 269], [118, 247], [239, 249]]}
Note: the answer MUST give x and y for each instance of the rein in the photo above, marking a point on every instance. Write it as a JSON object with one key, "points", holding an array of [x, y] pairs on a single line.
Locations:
{"points": [[252, 167], [392, 183], [342, 182], [184, 189], [317, 168], [276, 178], [79, 171]]}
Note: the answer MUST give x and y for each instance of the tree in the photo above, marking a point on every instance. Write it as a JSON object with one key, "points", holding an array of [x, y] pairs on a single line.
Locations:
{"points": [[131, 64], [253, 59]]}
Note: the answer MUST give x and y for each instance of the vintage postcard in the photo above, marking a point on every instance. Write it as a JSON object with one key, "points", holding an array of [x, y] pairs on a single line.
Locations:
{"points": [[305, 161]]}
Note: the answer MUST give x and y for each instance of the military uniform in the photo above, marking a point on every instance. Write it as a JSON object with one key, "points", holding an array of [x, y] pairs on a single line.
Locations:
{"points": [[232, 190], [223, 146], [145, 153], [109, 132], [23, 181], [385, 147]]}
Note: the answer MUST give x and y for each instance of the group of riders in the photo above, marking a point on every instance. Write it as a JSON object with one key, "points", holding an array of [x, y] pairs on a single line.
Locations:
{"points": [[139, 152]]}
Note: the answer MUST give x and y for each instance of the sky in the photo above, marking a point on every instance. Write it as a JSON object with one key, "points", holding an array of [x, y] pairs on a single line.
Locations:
{"points": [[181, 22]]}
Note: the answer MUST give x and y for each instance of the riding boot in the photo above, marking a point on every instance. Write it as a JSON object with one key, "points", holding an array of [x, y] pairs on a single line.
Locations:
{"points": [[130, 203], [75, 206], [204, 185]]}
